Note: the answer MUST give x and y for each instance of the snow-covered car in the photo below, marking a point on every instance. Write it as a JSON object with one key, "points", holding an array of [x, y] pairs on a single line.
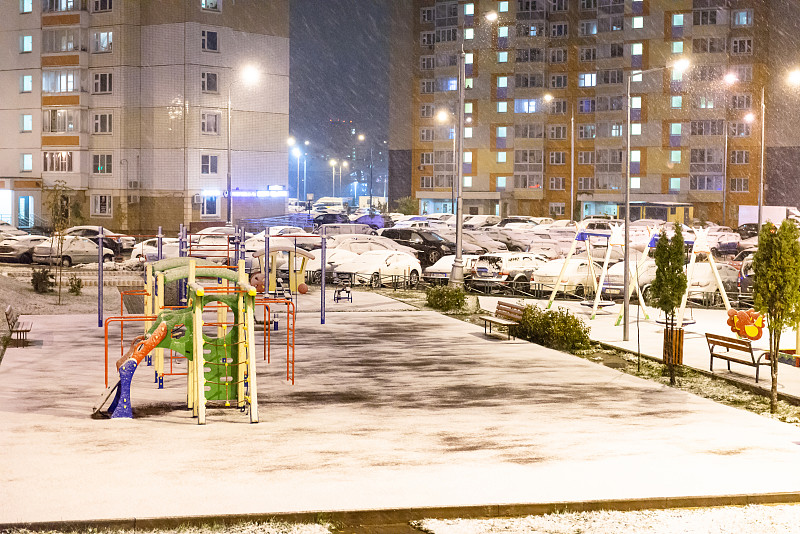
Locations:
{"points": [[477, 221], [10, 230], [439, 272], [482, 239], [124, 242], [615, 278], [549, 248], [468, 245], [148, 249], [75, 250], [378, 267], [703, 285], [345, 239], [576, 278], [503, 270], [20, 248], [723, 240], [333, 258]]}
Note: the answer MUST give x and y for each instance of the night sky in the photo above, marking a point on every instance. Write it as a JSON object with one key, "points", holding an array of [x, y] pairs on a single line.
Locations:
{"points": [[339, 66]]}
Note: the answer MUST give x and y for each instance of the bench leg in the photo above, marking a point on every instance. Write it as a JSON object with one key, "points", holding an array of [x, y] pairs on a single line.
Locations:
{"points": [[757, 369], [711, 366]]}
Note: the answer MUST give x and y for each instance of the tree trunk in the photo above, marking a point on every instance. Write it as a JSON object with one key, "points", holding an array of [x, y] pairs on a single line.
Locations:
{"points": [[670, 346], [774, 344]]}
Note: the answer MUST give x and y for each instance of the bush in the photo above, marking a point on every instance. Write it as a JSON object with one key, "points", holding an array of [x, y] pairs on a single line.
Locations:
{"points": [[445, 298], [75, 285], [42, 280], [557, 329]]}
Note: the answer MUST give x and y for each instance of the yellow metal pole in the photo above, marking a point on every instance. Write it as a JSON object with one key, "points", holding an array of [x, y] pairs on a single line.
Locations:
{"points": [[561, 274], [148, 298], [602, 280], [197, 348], [251, 360], [159, 352], [241, 359]]}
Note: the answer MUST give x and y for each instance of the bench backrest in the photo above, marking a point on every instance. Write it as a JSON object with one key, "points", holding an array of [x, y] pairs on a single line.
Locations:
{"points": [[507, 310], [11, 317], [715, 340]]}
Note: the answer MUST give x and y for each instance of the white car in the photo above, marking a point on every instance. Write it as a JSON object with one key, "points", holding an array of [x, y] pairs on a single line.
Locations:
{"points": [[9, 230], [439, 272], [344, 239], [333, 258], [576, 278], [723, 239], [125, 242], [20, 248], [378, 267], [503, 270], [476, 221], [468, 245], [148, 249], [75, 250]]}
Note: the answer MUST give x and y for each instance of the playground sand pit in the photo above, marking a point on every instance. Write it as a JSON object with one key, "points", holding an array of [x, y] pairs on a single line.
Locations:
{"points": [[20, 294]]}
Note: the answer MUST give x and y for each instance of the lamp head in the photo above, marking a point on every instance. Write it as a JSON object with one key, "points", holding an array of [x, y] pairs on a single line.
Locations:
{"points": [[749, 118], [442, 116], [345, 164], [682, 65], [491, 16], [332, 163], [291, 141], [794, 77], [548, 97], [250, 75], [361, 137], [731, 78], [296, 152]]}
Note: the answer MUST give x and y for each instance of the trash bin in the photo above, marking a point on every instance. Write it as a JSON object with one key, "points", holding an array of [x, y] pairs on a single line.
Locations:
{"points": [[677, 345]]}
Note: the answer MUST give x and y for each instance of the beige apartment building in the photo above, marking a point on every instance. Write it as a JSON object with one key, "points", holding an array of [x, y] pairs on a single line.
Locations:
{"points": [[125, 103], [546, 105]]}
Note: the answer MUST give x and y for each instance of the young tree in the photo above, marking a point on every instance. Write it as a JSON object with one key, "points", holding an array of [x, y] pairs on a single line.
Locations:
{"points": [[776, 286], [668, 288], [57, 210]]}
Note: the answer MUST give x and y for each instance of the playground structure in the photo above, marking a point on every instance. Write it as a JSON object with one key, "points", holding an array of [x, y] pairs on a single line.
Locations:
{"points": [[220, 366]]}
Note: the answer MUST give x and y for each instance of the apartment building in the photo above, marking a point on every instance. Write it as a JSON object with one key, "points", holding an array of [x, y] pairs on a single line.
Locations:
{"points": [[125, 104], [546, 105]]}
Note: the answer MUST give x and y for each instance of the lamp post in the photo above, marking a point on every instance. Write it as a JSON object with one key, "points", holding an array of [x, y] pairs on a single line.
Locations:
{"points": [[444, 117], [761, 173], [344, 164], [680, 66], [296, 152], [362, 137], [249, 76]]}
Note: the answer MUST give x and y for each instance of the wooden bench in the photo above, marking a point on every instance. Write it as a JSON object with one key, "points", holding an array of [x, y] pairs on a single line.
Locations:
{"points": [[739, 347], [19, 330], [506, 314]]}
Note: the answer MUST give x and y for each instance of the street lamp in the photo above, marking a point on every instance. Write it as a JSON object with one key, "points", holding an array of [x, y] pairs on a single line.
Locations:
{"points": [[296, 152], [679, 66], [344, 164], [729, 79], [249, 76], [457, 273], [445, 117]]}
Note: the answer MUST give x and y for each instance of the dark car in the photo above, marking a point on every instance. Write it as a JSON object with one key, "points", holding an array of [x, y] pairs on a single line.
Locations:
{"points": [[330, 218], [430, 245], [747, 230]]}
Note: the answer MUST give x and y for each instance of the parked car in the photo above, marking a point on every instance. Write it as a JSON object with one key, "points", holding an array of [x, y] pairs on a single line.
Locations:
{"points": [[576, 278], [747, 230], [745, 280], [342, 239], [503, 270], [468, 245], [377, 267], [430, 245], [10, 230], [737, 260], [482, 239], [121, 242], [20, 248], [149, 248], [439, 272], [615, 278], [723, 240], [330, 218], [703, 285], [333, 258], [477, 221], [75, 250]]}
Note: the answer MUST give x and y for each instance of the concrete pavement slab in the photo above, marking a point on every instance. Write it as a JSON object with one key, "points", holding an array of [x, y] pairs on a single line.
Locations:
{"points": [[391, 409]]}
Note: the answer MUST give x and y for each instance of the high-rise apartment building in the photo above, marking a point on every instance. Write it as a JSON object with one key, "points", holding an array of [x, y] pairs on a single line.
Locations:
{"points": [[545, 108], [125, 103]]}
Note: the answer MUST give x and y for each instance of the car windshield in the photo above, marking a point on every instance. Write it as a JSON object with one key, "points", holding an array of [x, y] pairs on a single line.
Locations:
{"points": [[430, 236]]}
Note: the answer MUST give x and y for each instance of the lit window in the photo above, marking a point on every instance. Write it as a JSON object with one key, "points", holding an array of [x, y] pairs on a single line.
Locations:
{"points": [[636, 102], [102, 205], [26, 123], [26, 44], [636, 156], [501, 157], [677, 102], [636, 182], [677, 19], [209, 208], [468, 132], [211, 5], [469, 9], [674, 184], [469, 58], [25, 6], [468, 181], [636, 128], [677, 47], [502, 7], [637, 22], [26, 84], [502, 81], [675, 156], [210, 122], [468, 83], [677, 75], [469, 33], [501, 182], [101, 42], [636, 49], [502, 107], [675, 128], [501, 131], [502, 57], [467, 157], [636, 76], [26, 163], [502, 31], [467, 107]]}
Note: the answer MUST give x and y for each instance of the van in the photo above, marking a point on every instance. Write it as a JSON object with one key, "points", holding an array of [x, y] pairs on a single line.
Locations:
{"points": [[330, 205]]}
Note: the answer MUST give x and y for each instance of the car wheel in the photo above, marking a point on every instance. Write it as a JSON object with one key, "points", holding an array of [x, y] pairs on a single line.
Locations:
{"points": [[520, 284], [579, 291], [108, 258], [375, 280], [514, 248], [413, 279], [316, 277], [433, 256], [26, 258], [66, 261]]}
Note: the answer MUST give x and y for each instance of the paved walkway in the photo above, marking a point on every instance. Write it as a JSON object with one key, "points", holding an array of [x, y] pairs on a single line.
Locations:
{"points": [[648, 337], [391, 409]]}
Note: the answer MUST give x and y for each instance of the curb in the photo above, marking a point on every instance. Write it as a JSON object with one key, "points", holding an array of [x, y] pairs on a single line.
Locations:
{"points": [[348, 518], [747, 386]]}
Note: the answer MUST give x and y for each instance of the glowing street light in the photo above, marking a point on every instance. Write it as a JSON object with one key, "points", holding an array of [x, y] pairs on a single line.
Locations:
{"points": [[248, 76]]}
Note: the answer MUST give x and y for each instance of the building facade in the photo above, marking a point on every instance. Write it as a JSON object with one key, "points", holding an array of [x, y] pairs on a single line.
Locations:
{"points": [[546, 105], [123, 105]]}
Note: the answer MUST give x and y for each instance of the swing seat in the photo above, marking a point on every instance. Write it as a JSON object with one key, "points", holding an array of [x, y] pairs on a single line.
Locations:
{"points": [[601, 304]]}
